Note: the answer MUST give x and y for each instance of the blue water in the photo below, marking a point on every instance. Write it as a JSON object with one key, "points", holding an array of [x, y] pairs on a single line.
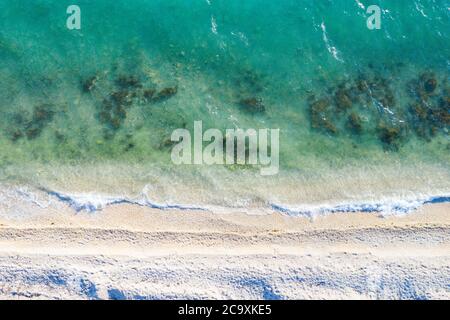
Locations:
{"points": [[341, 94]]}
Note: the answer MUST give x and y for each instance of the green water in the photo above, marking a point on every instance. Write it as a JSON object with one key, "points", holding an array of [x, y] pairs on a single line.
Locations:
{"points": [[342, 95]]}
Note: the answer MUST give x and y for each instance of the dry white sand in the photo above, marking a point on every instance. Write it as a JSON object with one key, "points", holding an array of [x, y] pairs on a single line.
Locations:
{"points": [[127, 251]]}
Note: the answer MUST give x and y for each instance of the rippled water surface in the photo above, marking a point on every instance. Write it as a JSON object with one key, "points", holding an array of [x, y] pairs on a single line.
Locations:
{"points": [[362, 113]]}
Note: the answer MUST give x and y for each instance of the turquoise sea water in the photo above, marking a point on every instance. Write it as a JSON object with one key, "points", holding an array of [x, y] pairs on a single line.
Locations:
{"points": [[343, 96]]}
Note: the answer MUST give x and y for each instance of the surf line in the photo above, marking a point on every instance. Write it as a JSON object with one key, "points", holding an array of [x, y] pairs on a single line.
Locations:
{"points": [[396, 207], [96, 203]]}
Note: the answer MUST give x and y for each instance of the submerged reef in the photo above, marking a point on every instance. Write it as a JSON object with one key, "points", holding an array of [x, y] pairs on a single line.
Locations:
{"points": [[113, 110], [429, 111], [165, 94], [320, 114], [252, 105], [128, 82], [248, 88], [354, 123], [389, 135], [124, 92], [88, 84], [31, 126], [367, 106]]}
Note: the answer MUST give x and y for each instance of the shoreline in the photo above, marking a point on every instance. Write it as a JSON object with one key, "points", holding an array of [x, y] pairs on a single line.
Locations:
{"points": [[152, 254], [31, 199], [122, 215], [135, 227]]}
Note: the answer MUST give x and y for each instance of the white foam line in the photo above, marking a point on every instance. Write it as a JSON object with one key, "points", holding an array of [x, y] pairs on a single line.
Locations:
{"points": [[93, 203], [331, 49], [387, 207]]}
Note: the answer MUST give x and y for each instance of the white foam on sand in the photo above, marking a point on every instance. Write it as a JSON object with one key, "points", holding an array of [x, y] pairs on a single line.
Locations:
{"points": [[92, 202]]}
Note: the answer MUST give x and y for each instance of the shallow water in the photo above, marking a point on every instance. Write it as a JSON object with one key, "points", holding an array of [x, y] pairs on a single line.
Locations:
{"points": [[363, 114]]}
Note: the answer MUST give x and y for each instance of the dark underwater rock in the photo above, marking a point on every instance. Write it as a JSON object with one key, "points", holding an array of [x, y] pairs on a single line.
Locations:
{"points": [[165, 94], [440, 117], [252, 105], [424, 87], [129, 146], [390, 136], [320, 115], [33, 132], [149, 94], [128, 82], [60, 137], [113, 110], [362, 86], [32, 127], [354, 123], [382, 92], [43, 114], [16, 135], [428, 82], [419, 111], [430, 85], [342, 100], [166, 143], [112, 118], [89, 84], [122, 97]]}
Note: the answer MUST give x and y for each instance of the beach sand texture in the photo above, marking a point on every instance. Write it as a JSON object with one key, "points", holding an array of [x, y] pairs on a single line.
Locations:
{"points": [[130, 252]]}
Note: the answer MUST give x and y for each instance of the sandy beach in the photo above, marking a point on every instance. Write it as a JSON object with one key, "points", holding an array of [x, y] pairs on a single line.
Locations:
{"points": [[224, 150], [127, 251]]}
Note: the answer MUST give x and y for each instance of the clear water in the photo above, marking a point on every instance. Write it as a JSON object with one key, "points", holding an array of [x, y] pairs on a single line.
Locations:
{"points": [[381, 132]]}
